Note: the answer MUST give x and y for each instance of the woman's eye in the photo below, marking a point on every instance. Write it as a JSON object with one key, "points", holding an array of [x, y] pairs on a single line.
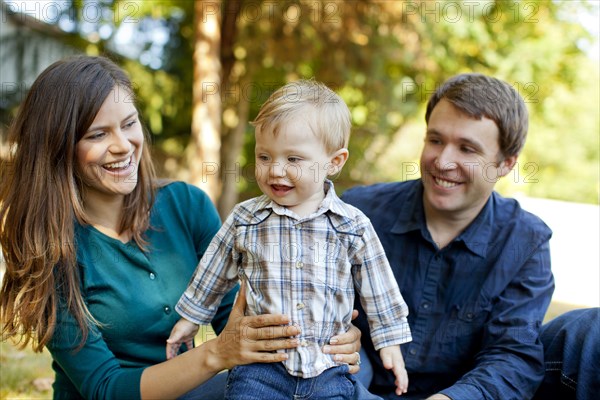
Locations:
{"points": [[95, 135], [130, 124]]}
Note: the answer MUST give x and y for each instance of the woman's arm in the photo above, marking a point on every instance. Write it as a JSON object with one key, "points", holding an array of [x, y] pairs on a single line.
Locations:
{"points": [[244, 340]]}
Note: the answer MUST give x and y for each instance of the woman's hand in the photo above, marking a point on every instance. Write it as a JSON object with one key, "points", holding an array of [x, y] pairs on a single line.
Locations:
{"points": [[346, 347], [252, 339]]}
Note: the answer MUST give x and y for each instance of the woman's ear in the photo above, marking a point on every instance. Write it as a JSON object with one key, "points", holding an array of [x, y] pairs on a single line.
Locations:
{"points": [[337, 161]]}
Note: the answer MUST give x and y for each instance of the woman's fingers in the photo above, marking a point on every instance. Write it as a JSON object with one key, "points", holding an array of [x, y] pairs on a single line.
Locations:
{"points": [[350, 359], [266, 320], [239, 306], [352, 336], [271, 332]]}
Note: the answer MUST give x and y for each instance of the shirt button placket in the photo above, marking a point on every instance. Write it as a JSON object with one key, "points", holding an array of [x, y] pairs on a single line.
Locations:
{"points": [[434, 271]]}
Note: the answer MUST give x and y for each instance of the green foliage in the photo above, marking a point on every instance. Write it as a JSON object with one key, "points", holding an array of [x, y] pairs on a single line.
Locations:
{"points": [[385, 58], [561, 158]]}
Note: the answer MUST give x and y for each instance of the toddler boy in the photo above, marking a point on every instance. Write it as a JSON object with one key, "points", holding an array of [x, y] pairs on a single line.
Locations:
{"points": [[300, 251]]}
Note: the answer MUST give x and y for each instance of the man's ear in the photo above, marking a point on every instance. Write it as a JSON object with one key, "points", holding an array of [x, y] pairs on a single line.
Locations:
{"points": [[507, 165], [337, 161]]}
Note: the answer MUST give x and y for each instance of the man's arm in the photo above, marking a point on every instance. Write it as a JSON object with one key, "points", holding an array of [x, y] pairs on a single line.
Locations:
{"points": [[510, 363]]}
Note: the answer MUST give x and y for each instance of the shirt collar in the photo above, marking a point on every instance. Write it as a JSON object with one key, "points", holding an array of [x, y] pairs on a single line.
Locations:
{"points": [[331, 202], [476, 236], [411, 216]]}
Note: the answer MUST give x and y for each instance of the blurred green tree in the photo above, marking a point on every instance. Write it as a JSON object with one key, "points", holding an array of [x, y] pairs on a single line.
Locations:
{"points": [[384, 57]]}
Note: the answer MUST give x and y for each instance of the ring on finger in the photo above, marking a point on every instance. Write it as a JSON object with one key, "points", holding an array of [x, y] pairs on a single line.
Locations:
{"points": [[358, 360]]}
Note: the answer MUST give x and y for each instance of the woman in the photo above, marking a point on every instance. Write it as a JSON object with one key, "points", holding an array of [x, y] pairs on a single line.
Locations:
{"points": [[98, 254]]}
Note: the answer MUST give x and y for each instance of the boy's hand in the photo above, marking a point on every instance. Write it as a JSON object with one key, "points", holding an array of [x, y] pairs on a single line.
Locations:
{"points": [[184, 331], [392, 359]]}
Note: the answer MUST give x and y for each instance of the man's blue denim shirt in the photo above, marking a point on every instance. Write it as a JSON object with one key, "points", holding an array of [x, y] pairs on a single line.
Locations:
{"points": [[475, 306]]}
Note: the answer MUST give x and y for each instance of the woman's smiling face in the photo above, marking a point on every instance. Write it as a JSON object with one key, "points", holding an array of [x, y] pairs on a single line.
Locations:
{"points": [[108, 154]]}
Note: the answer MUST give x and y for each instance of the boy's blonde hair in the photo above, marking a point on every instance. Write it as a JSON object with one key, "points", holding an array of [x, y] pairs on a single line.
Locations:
{"points": [[332, 123]]}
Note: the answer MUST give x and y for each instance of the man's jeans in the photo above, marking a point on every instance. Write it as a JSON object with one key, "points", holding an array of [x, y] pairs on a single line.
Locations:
{"points": [[572, 356]]}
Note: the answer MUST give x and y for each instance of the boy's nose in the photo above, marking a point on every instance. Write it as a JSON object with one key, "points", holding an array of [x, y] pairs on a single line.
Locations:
{"points": [[277, 169]]}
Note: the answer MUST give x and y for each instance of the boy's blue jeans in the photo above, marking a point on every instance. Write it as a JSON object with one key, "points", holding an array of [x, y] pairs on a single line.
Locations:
{"points": [[273, 382]]}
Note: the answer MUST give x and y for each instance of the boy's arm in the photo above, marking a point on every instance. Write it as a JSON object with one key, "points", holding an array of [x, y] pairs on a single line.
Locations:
{"points": [[183, 332], [215, 275], [378, 291]]}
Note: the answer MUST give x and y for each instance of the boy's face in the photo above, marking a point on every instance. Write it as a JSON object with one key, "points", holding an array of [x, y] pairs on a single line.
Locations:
{"points": [[292, 165]]}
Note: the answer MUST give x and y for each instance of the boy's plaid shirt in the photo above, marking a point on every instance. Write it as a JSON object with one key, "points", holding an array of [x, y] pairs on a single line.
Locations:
{"points": [[307, 268]]}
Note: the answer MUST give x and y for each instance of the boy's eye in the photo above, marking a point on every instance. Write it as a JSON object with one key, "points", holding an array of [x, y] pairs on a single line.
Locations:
{"points": [[293, 159], [263, 158]]}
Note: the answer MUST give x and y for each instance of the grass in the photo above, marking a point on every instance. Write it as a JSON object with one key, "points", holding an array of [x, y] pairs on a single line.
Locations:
{"points": [[24, 374]]}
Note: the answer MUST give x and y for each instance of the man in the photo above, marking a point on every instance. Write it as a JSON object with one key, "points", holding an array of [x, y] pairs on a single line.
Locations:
{"points": [[473, 267]]}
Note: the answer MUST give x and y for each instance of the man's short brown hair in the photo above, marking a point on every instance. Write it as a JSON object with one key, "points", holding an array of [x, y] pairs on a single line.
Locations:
{"points": [[480, 96]]}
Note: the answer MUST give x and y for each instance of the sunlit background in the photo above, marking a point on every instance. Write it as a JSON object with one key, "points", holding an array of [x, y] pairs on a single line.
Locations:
{"points": [[383, 57]]}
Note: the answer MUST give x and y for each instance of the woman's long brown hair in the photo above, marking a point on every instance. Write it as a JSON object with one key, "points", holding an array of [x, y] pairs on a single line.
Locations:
{"points": [[40, 198]]}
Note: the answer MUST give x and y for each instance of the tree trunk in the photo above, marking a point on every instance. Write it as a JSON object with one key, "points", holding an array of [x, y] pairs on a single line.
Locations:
{"points": [[232, 138], [231, 173], [204, 152]]}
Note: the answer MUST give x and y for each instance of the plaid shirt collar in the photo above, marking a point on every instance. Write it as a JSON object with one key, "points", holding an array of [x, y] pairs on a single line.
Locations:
{"points": [[331, 202]]}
